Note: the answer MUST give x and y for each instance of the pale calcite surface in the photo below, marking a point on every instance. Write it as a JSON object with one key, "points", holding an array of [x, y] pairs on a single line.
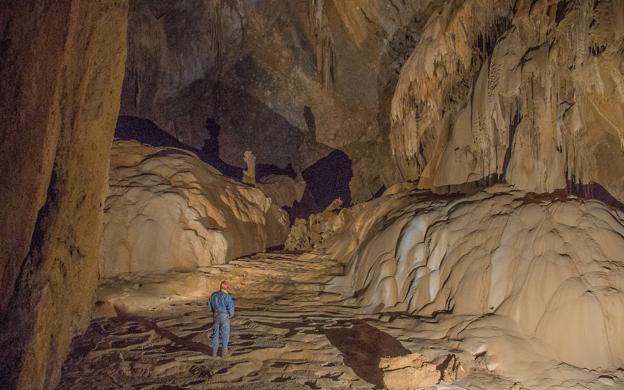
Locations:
{"points": [[546, 270], [501, 289], [166, 209]]}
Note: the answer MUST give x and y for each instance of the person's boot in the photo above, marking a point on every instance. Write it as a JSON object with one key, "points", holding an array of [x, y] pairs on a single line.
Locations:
{"points": [[224, 353], [214, 352]]}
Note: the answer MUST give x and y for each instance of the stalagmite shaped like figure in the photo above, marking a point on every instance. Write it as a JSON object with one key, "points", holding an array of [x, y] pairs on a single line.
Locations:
{"points": [[249, 175]]}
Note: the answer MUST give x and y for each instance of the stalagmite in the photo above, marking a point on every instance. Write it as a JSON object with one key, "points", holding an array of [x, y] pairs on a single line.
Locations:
{"points": [[249, 174]]}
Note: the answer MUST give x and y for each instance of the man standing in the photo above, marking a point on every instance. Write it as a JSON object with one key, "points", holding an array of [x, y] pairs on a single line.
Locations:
{"points": [[222, 307]]}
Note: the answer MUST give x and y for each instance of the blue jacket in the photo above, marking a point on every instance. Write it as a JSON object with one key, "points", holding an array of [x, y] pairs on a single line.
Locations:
{"points": [[221, 302]]}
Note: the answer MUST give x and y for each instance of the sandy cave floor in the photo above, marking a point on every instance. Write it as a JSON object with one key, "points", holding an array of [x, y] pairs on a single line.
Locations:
{"points": [[153, 332]]}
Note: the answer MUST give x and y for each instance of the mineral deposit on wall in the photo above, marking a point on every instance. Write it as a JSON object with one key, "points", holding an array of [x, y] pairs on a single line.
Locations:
{"points": [[166, 209], [530, 94]]}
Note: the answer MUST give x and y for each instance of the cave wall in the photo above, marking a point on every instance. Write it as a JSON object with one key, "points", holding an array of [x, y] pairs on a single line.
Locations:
{"points": [[61, 66], [526, 92], [310, 76], [523, 92]]}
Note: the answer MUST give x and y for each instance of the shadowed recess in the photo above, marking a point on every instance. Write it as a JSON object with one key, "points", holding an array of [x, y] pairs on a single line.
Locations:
{"points": [[362, 346], [326, 180]]}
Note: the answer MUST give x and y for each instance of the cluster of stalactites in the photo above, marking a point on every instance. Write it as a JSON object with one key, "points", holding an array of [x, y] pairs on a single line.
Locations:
{"points": [[436, 73], [324, 53], [531, 95]]}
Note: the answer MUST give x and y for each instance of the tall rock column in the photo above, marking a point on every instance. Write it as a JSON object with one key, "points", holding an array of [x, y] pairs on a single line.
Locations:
{"points": [[61, 67]]}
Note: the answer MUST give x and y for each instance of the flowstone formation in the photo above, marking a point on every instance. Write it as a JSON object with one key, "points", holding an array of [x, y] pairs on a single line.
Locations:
{"points": [[529, 92], [516, 283], [166, 209], [500, 270]]}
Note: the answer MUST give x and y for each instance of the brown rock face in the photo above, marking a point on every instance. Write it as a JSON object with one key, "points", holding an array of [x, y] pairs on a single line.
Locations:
{"points": [[309, 76], [409, 372], [530, 94], [307, 234], [61, 67]]}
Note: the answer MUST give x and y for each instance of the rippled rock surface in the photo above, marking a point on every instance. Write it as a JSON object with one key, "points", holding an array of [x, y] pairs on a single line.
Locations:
{"points": [[166, 209], [505, 268]]}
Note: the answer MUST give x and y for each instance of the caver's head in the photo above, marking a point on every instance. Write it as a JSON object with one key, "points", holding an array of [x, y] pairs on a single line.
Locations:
{"points": [[225, 285]]}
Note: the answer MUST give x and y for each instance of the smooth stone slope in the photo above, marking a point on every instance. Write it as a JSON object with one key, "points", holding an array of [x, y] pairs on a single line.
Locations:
{"points": [[541, 274], [167, 209]]}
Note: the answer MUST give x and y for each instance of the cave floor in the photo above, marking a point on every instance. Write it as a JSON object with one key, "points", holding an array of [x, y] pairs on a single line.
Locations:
{"points": [[289, 332]]}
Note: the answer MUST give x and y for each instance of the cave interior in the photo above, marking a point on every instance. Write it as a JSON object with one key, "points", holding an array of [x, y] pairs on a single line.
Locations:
{"points": [[398, 194]]}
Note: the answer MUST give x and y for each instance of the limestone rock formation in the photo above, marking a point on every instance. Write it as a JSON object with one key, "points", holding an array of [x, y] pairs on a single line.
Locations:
{"points": [[283, 190], [307, 76], [299, 236], [292, 331], [544, 269], [61, 68], [521, 99], [166, 209], [529, 92], [317, 76], [249, 174], [409, 372], [305, 234]]}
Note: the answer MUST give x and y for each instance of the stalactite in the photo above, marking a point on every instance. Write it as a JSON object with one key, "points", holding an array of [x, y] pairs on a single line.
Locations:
{"points": [[532, 65], [324, 51], [443, 61]]}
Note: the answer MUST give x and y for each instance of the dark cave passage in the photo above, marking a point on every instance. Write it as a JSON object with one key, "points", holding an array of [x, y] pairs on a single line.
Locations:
{"points": [[326, 180]]}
